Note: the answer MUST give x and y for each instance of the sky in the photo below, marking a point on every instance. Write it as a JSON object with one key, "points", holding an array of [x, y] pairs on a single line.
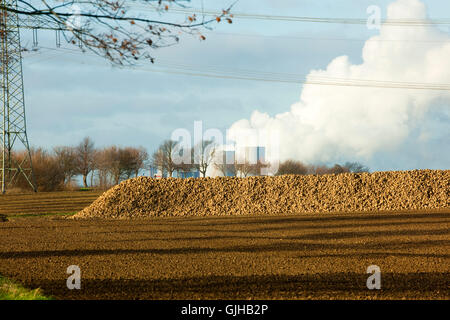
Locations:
{"points": [[70, 95]]}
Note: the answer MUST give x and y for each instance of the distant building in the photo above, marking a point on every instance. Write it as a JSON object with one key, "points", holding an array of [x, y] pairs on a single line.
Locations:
{"points": [[261, 154], [156, 173], [250, 155], [253, 155], [192, 174], [230, 157]]}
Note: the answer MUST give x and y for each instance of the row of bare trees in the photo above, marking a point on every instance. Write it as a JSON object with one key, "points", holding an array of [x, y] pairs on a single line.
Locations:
{"points": [[105, 167], [171, 156], [298, 167], [242, 168], [97, 167], [114, 164]]}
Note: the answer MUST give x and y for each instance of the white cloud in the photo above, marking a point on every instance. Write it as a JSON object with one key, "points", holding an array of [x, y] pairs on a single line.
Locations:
{"points": [[329, 123]]}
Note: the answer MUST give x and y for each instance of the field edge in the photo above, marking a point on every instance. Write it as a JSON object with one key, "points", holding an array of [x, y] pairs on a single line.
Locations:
{"points": [[11, 290]]}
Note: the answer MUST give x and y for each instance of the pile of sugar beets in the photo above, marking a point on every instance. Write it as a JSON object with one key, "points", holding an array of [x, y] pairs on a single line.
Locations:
{"points": [[291, 194]]}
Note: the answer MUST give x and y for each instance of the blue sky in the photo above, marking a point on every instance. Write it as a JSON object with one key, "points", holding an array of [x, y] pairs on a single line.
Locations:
{"points": [[70, 95]]}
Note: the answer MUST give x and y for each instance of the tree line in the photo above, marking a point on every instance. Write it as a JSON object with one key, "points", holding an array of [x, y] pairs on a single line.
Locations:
{"points": [[298, 167], [97, 167], [104, 167], [172, 157]]}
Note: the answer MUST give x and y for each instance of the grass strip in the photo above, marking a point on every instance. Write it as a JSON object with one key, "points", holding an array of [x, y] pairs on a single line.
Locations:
{"points": [[28, 215], [10, 290]]}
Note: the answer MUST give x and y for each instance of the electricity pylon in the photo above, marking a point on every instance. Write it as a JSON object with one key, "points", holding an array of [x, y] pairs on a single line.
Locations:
{"points": [[12, 108]]}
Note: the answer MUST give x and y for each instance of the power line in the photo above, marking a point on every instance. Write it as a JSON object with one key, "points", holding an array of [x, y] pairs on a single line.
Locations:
{"points": [[254, 16], [299, 37], [352, 83], [223, 72]]}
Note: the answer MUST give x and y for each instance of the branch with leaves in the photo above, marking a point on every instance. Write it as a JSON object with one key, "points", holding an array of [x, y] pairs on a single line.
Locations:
{"points": [[123, 31]]}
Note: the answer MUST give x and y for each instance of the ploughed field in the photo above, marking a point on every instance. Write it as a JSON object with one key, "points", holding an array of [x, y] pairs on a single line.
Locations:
{"points": [[46, 203], [307, 256]]}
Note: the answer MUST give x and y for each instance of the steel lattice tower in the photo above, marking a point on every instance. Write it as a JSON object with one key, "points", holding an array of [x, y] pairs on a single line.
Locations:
{"points": [[12, 108]]}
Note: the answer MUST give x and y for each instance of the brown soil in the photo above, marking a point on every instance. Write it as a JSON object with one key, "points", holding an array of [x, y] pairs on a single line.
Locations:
{"points": [[257, 257], [46, 202], [379, 191]]}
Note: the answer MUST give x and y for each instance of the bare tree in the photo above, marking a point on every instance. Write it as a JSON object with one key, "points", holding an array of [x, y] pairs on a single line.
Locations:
{"points": [[114, 155], [100, 168], [48, 174], [140, 159], [337, 169], [121, 31], [105, 164], [245, 168], [204, 153], [164, 157], [356, 167], [219, 162], [253, 168], [117, 163], [126, 163], [157, 160], [67, 160], [130, 161], [318, 169], [292, 167], [85, 158], [228, 167]]}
